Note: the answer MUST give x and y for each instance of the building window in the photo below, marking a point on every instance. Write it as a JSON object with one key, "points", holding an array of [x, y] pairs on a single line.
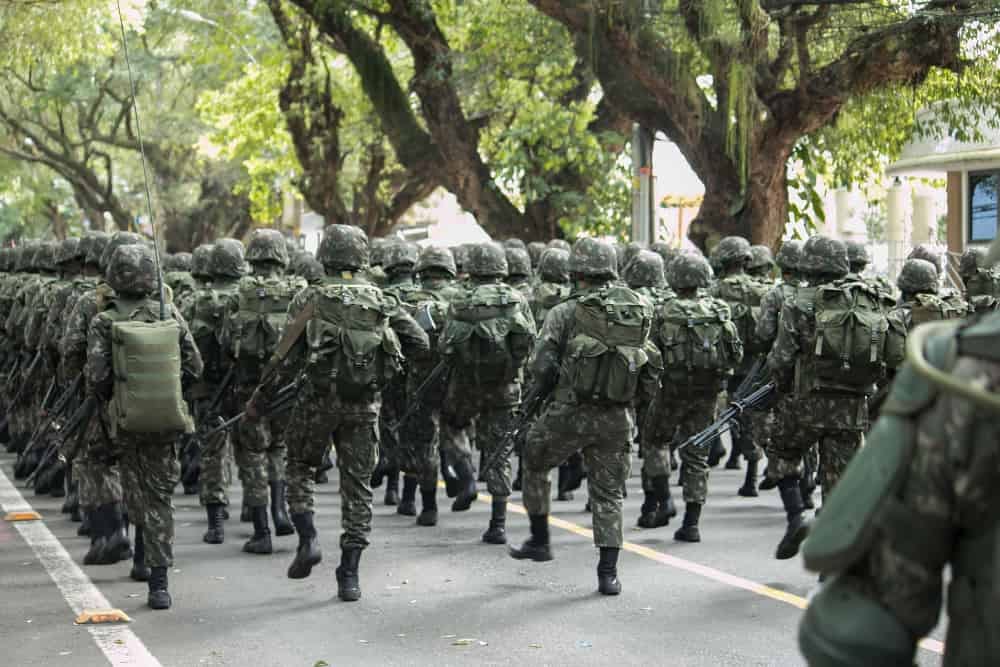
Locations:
{"points": [[983, 209]]}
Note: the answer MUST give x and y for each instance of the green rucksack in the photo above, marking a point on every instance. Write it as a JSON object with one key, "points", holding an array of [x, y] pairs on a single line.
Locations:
{"points": [[546, 297], [206, 314], [699, 340], [256, 327], [932, 308], [609, 346], [848, 353], [352, 349], [744, 294], [146, 359], [488, 336]]}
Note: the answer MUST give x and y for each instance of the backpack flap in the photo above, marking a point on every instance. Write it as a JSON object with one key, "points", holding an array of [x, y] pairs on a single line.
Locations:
{"points": [[849, 353]]}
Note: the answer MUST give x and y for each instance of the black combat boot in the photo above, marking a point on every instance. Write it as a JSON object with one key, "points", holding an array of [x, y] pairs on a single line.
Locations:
{"points": [[392, 487], [260, 542], [348, 584], [734, 458], [408, 503], [159, 596], [116, 547], [245, 516], [99, 533], [562, 482], [429, 510], [497, 532], [468, 494], [216, 533], [647, 513], [607, 572], [537, 547], [749, 488], [798, 526], [279, 508], [688, 532], [716, 452], [85, 525], [308, 555], [76, 514], [140, 571], [71, 495], [807, 486], [767, 482]]}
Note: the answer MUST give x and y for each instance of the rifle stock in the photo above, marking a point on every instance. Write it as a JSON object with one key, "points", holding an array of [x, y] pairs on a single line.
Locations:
{"points": [[755, 400], [530, 407]]}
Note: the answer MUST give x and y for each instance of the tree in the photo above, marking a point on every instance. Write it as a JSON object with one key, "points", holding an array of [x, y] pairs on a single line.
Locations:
{"points": [[737, 85]]}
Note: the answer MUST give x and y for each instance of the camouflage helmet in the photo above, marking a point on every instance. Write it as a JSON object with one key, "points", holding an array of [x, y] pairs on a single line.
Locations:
{"points": [[228, 259], [117, 240], [70, 250], [401, 255], [590, 257], [645, 270], [343, 248], [664, 250], [535, 250], [789, 255], [518, 261], [436, 257], [94, 244], [201, 261], [461, 255], [487, 260], [857, 255], [826, 256], [378, 248], [178, 261], [132, 270], [689, 271], [554, 265], [309, 268], [514, 242], [560, 244], [918, 276], [48, 254], [733, 250], [619, 254], [267, 245], [973, 259], [760, 258], [632, 250], [927, 252]]}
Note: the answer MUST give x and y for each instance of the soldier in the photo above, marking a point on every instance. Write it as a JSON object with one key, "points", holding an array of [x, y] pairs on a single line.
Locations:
{"points": [[936, 450], [121, 350], [950, 295], [553, 285], [251, 332], [700, 346], [919, 301], [559, 244], [177, 275], [664, 250], [486, 343], [818, 356], [982, 283], [514, 242], [375, 272], [535, 250], [743, 294], [419, 446], [519, 274], [201, 265], [338, 396], [761, 266], [206, 313], [589, 411]]}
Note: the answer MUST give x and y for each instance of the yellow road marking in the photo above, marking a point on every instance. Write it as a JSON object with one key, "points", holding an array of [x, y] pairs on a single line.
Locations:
{"points": [[932, 645]]}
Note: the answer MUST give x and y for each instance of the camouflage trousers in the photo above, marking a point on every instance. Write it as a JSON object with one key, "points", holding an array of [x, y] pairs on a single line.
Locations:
{"points": [[787, 448], [213, 477], [492, 426], [259, 450], [564, 429], [419, 442], [150, 470], [751, 433], [679, 418], [314, 423], [100, 481]]}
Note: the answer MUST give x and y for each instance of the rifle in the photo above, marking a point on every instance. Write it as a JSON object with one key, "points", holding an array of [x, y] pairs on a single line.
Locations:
{"points": [[75, 427], [737, 407], [530, 407], [436, 374], [283, 401], [25, 383], [61, 405], [192, 448]]}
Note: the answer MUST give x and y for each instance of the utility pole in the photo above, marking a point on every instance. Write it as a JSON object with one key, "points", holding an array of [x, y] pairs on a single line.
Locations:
{"points": [[643, 219]]}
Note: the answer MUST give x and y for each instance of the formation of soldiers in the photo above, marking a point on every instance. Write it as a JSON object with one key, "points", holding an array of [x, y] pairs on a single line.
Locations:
{"points": [[387, 360]]}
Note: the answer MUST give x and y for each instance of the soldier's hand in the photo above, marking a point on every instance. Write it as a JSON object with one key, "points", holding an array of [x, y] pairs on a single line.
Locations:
{"points": [[251, 412]]}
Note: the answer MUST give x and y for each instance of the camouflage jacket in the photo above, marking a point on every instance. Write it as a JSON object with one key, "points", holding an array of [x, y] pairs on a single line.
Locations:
{"points": [[770, 310], [81, 311]]}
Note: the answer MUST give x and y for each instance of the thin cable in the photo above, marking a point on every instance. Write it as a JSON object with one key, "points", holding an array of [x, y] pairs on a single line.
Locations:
{"points": [[145, 171]]}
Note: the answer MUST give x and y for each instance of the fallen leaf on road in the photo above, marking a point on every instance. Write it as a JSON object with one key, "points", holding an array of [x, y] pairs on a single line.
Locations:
{"points": [[534, 646], [321, 663], [120, 642]]}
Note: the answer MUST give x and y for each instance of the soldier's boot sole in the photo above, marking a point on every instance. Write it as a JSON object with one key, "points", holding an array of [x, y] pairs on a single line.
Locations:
{"points": [[747, 491], [688, 534], [795, 534], [767, 483], [609, 584], [159, 600], [214, 536], [564, 495], [307, 557], [648, 520], [464, 502], [540, 553], [495, 534], [407, 508], [139, 572], [259, 545], [427, 518]]}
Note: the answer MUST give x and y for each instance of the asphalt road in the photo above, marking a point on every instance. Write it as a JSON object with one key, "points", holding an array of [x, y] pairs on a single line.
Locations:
{"points": [[434, 595]]}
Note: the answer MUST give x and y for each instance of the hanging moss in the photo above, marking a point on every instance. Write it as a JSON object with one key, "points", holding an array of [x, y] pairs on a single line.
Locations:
{"points": [[739, 109]]}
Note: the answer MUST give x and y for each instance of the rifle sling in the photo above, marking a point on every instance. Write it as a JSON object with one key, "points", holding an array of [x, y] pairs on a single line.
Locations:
{"points": [[293, 331]]}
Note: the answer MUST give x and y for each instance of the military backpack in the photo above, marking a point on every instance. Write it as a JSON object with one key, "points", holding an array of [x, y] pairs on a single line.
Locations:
{"points": [[932, 308], [256, 327], [744, 294], [699, 340]]}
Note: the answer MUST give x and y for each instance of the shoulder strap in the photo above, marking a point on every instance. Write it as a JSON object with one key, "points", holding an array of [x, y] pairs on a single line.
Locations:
{"points": [[293, 331]]}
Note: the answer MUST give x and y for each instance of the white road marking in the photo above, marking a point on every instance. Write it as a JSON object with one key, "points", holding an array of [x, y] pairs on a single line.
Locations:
{"points": [[119, 644]]}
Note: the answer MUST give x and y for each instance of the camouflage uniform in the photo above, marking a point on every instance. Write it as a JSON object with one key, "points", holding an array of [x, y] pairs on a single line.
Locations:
{"points": [[553, 285], [937, 451], [321, 413], [519, 273], [603, 432], [148, 461], [177, 276], [252, 328], [982, 283]]}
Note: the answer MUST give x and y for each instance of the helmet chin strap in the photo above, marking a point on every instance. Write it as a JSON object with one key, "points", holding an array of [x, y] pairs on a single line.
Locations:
{"points": [[145, 169]]}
